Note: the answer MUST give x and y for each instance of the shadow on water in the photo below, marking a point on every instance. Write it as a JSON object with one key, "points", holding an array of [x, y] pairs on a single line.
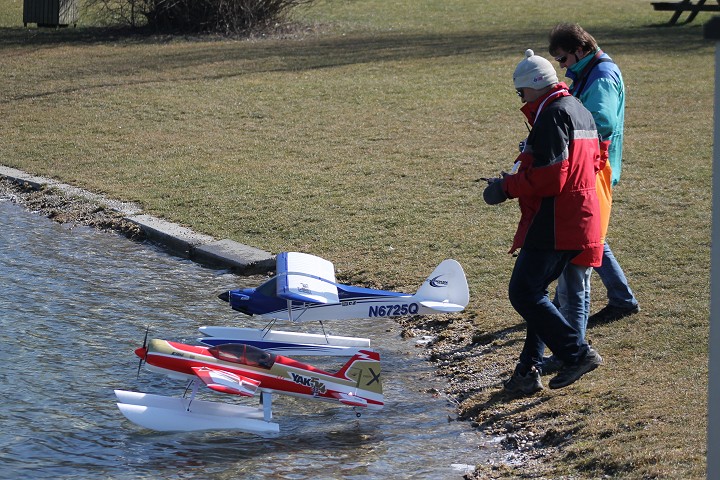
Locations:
{"points": [[325, 449]]}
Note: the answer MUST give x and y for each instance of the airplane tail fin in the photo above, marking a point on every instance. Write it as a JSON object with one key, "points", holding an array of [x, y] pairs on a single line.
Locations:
{"points": [[446, 289], [363, 368]]}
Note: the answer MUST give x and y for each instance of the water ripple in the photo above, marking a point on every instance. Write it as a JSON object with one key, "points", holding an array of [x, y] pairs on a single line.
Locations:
{"points": [[76, 302]]}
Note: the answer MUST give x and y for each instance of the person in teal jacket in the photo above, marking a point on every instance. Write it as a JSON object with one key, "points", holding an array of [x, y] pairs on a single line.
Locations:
{"points": [[598, 84]]}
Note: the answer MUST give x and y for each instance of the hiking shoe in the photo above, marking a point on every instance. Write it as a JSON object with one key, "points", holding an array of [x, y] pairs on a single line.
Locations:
{"points": [[551, 364], [526, 384], [571, 373], [611, 313]]}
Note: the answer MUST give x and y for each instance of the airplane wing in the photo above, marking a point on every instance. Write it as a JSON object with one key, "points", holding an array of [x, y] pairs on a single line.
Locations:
{"points": [[226, 382], [306, 278]]}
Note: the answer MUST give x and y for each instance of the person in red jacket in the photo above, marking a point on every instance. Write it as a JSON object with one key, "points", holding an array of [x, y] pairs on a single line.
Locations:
{"points": [[554, 183]]}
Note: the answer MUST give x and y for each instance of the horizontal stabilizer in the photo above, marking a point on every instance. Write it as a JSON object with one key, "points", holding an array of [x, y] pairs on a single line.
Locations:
{"points": [[443, 307], [350, 399], [226, 382]]}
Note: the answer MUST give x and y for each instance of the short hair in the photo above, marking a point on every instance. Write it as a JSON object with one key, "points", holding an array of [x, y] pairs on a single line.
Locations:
{"points": [[569, 37]]}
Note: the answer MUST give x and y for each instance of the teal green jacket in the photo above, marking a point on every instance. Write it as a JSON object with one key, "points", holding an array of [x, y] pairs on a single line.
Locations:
{"points": [[598, 84]]}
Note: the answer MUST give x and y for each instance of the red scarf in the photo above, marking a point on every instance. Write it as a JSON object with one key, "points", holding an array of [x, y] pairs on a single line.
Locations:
{"points": [[533, 109]]}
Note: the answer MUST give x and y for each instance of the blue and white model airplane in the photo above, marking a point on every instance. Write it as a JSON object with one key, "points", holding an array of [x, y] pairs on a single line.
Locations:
{"points": [[304, 290]]}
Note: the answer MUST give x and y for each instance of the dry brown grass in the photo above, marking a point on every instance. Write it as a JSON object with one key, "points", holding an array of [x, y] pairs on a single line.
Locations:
{"points": [[362, 140]]}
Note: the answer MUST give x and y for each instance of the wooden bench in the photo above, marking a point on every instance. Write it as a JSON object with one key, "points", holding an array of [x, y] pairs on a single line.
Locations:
{"points": [[685, 6]]}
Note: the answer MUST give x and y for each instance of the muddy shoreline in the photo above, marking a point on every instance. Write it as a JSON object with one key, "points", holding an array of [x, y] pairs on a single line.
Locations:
{"points": [[472, 363]]}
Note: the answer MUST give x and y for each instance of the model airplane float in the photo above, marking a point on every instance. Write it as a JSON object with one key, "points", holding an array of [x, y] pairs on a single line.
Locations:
{"points": [[304, 290], [243, 370]]}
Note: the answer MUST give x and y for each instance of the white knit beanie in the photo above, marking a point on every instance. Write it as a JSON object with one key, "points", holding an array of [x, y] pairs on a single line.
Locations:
{"points": [[534, 72]]}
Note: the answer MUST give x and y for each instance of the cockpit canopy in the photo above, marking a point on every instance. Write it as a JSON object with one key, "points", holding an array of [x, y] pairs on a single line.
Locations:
{"points": [[243, 354]]}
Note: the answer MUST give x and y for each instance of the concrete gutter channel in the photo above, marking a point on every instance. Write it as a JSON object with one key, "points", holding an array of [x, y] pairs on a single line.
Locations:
{"points": [[178, 240]]}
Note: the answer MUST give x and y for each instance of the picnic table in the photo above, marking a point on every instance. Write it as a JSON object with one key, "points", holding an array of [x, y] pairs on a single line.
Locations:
{"points": [[694, 7]]}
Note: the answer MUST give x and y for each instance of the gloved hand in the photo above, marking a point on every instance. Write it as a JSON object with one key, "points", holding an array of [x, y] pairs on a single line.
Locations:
{"points": [[494, 193], [604, 154]]}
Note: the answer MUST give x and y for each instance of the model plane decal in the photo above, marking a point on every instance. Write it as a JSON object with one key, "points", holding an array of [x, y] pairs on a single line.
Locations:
{"points": [[375, 377], [437, 283], [315, 384], [397, 310]]}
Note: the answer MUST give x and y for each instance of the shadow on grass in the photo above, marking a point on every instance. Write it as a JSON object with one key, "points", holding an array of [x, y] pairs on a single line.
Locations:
{"points": [[320, 51], [143, 58], [208, 57], [476, 410]]}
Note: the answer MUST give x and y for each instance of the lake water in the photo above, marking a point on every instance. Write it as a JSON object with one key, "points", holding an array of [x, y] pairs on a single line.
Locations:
{"points": [[75, 303]]}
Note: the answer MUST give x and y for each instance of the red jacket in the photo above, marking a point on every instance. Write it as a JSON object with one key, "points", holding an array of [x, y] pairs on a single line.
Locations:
{"points": [[555, 183]]}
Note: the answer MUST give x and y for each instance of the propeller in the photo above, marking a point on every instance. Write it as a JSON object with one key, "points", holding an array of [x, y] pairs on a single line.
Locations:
{"points": [[144, 349]]}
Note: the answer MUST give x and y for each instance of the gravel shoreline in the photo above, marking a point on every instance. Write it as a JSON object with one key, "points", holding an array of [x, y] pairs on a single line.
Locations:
{"points": [[62, 208]]}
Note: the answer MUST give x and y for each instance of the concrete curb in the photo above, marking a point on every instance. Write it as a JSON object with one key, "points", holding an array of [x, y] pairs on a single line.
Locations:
{"points": [[177, 240]]}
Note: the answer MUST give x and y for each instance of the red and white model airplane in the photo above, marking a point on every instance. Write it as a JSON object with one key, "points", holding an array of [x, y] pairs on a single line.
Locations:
{"points": [[244, 370]]}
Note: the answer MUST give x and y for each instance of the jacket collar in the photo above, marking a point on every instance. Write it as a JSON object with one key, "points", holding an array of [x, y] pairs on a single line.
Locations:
{"points": [[533, 109], [577, 70]]}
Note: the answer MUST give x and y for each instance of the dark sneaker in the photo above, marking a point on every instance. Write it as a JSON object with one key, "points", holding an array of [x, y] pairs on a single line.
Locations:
{"points": [[611, 313], [551, 364], [571, 373], [526, 384]]}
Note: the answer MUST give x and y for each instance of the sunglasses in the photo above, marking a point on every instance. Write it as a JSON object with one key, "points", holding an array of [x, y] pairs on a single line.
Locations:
{"points": [[561, 59], [520, 92]]}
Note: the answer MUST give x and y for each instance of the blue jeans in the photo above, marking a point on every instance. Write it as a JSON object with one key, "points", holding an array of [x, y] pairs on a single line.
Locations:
{"points": [[573, 296], [528, 291], [613, 277]]}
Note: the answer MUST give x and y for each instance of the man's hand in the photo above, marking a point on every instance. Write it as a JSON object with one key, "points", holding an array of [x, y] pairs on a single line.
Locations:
{"points": [[494, 193]]}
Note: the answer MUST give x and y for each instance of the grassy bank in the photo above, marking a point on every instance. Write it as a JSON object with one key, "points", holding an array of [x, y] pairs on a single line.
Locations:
{"points": [[361, 138]]}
